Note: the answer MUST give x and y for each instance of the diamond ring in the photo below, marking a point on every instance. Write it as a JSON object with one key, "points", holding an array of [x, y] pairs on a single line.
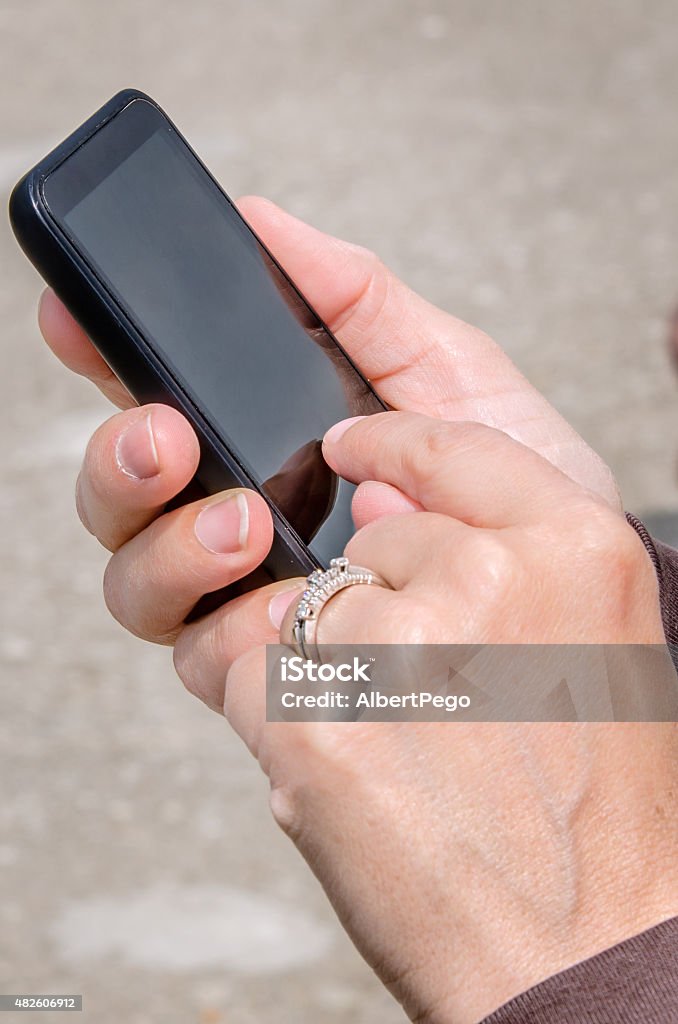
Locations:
{"points": [[300, 624]]}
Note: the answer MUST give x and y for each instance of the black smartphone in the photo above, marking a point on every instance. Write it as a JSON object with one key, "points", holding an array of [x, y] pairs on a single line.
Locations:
{"points": [[189, 308]]}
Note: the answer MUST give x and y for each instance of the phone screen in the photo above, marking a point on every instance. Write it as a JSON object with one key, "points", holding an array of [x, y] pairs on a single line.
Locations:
{"points": [[236, 335]]}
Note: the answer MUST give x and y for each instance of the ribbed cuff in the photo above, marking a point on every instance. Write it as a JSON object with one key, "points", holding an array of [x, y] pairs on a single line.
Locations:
{"points": [[665, 561], [634, 982]]}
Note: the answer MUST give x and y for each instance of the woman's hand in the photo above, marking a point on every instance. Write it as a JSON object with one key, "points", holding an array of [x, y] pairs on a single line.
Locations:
{"points": [[521, 552], [419, 358], [469, 861]]}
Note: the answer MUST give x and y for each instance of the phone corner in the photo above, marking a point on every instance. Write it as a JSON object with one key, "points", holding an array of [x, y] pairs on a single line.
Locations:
{"points": [[129, 95], [21, 203]]}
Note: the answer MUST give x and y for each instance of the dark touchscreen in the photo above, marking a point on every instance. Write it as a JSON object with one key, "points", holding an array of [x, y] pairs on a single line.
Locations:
{"points": [[216, 309]]}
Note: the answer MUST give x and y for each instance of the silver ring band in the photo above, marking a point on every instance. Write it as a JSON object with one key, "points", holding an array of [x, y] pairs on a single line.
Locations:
{"points": [[300, 625]]}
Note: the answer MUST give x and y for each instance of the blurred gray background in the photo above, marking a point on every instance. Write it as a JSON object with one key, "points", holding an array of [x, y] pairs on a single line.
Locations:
{"points": [[516, 163]]}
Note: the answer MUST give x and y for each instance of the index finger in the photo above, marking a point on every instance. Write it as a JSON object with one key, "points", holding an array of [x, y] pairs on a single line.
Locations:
{"points": [[69, 343], [470, 471]]}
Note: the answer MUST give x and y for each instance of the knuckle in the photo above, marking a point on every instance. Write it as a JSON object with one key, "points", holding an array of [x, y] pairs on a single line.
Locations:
{"points": [[498, 571], [444, 441], [417, 623], [367, 306], [134, 616], [93, 457], [440, 441], [607, 538], [217, 644], [81, 505], [291, 804], [185, 665], [372, 262], [285, 810], [417, 631], [205, 661], [113, 593]]}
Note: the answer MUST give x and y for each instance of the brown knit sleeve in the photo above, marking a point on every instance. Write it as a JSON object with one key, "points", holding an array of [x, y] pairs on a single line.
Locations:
{"points": [[635, 982], [665, 561]]}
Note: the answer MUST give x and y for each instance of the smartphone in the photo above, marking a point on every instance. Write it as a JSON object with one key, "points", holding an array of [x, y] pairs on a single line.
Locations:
{"points": [[189, 308]]}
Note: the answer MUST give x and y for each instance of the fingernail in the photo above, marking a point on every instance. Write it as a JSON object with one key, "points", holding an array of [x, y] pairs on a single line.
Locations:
{"points": [[340, 428], [223, 527], [136, 453], [279, 604]]}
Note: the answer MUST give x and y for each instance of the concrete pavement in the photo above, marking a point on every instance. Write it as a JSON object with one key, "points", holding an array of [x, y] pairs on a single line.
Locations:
{"points": [[514, 162]]}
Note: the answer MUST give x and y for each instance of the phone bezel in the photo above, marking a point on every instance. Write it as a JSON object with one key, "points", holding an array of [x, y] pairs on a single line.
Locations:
{"points": [[57, 256]]}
